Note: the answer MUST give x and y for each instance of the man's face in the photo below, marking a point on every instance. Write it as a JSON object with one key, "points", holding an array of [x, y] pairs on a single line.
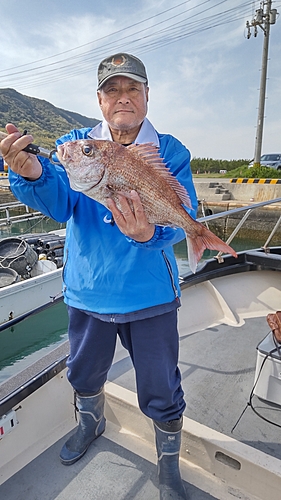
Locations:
{"points": [[123, 103]]}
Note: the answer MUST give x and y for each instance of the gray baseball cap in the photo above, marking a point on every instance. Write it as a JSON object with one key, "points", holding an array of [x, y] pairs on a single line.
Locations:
{"points": [[121, 65]]}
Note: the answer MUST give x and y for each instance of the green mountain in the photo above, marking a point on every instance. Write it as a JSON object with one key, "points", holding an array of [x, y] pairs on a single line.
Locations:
{"points": [[40, 118]]}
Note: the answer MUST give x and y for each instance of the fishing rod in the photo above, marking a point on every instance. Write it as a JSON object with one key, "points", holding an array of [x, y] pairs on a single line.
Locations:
{"points": [[36, 150]]}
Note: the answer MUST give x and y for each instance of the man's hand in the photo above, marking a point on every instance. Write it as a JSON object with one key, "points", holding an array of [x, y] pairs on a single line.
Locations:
{"points": [[22, 163], [132, 222]]}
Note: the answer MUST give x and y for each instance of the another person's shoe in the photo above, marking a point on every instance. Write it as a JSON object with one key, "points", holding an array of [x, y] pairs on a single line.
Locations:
{"points": [[91, 426], [168, 441]]}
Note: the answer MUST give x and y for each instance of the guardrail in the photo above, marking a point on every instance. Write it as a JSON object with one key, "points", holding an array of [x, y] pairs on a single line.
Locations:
{"points": [[246, 180], [8, 220], [13, 219], [248, 209]]}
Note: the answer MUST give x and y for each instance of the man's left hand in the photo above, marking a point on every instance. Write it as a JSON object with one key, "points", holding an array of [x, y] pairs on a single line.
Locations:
{"points": [[131, 221]]}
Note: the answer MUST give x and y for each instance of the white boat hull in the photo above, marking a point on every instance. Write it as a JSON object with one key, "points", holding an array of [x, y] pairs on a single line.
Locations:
{"points": [[25, 296]]}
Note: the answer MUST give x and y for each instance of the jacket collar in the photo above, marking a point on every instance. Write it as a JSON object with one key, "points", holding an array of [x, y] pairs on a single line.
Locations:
{"points": [[147, 133]]}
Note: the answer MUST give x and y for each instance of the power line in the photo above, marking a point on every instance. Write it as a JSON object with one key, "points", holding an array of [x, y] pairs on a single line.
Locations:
{"points": [[144, 40], [98, 39]]}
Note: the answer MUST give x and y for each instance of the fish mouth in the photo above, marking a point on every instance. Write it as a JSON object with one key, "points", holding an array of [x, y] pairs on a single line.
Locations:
{"points": [[83, 186], [61, 153]]}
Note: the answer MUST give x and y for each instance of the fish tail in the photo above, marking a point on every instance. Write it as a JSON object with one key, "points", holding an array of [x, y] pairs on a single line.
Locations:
{"points": [[206, 239]]}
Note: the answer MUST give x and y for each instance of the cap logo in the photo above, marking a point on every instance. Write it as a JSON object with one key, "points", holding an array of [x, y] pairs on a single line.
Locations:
{"points": [[118, 61]]}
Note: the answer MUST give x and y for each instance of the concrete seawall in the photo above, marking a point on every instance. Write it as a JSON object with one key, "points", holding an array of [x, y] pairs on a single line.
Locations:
{"points": [[217, 195], [229, 191], [254, 190]]}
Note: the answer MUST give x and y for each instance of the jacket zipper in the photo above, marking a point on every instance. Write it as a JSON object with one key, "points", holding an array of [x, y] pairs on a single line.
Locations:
{"points": [[169, 267], [63, 269]]}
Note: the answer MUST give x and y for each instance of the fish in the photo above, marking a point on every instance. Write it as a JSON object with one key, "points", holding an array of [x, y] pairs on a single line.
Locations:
{"points": [[103, 169]]}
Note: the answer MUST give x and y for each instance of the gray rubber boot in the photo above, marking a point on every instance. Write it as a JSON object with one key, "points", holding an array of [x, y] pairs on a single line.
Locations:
{"points": [[91, 425], [168, 441]]}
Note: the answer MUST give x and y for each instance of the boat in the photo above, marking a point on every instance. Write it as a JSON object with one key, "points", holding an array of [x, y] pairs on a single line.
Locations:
{"points": [[30, 267], [22, 296], [231, 375]]}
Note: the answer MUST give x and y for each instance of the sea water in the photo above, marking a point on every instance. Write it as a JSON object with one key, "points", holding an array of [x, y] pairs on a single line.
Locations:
{"points": [[238, 244], [32, 338]]}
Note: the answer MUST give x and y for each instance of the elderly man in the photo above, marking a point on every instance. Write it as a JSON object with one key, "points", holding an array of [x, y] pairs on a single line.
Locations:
{"points": [[120, 275]]}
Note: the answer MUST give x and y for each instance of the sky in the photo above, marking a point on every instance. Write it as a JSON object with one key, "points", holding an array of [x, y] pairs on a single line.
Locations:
{"points": [[204, 73]]}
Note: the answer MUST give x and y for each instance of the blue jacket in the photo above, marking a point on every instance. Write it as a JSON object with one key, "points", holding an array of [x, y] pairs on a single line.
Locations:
{"points": [[105, 271]]}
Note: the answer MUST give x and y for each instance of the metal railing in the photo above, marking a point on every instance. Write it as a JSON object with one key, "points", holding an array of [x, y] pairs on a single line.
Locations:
{"points": [[248, 209], [8, 220], [13, 219]]}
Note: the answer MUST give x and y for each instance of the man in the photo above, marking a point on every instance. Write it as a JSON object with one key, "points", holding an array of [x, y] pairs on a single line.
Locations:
{"points": [[120, 275]]}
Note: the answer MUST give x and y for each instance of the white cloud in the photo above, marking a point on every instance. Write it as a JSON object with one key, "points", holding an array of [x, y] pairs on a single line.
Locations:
{"points": [[204, 88]]}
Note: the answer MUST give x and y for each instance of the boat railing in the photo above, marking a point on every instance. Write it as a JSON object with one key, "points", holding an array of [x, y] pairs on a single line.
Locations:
{"points": [[248, 209], [13, 219], [27, 215]]}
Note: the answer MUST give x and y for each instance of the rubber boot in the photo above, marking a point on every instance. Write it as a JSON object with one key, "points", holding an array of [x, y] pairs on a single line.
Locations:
{"points": [[168, 441], [91, 425]]}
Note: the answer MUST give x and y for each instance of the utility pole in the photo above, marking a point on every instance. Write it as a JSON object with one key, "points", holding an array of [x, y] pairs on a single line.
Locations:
{"points": [[264, 17]]}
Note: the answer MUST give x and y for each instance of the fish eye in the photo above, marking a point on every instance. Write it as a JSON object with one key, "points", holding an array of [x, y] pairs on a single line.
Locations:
{"points": [[87, 150]]}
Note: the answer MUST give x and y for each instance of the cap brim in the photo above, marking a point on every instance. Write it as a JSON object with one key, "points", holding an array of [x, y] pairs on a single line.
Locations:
{"points": [[137, 78]]}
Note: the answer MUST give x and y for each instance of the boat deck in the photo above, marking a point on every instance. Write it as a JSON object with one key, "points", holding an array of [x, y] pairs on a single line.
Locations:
{"points": [[116, 466], [121, 465], [217, 378], [221, 324]]}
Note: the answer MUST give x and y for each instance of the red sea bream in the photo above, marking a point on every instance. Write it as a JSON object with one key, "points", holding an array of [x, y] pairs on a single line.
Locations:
{"points": [[102, 169]]}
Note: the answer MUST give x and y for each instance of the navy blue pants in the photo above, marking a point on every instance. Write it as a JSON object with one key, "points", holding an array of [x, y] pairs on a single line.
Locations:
{"points": [[153, 347]]}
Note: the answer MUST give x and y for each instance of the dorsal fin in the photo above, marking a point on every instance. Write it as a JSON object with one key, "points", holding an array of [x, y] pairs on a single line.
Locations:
{"points": [[149, 153]]}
